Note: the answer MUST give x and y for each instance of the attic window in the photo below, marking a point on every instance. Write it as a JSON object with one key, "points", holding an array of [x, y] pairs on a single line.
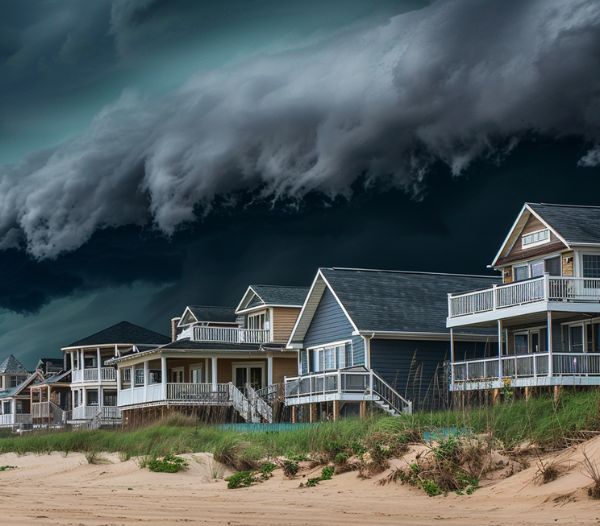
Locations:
{"points": [[538, 237]]}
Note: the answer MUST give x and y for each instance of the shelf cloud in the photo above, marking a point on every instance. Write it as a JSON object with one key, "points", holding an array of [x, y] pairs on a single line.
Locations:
{"points": [[447, 83]]}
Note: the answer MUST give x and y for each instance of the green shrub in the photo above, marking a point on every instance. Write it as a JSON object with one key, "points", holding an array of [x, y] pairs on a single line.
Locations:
{"points": [[266, 470], [431, 487], [241, 479], [167, 464], [341, 458], [327, 472]]}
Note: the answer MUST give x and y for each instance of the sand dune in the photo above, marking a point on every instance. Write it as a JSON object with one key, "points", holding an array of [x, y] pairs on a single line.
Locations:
{"points": [[66, 490]]}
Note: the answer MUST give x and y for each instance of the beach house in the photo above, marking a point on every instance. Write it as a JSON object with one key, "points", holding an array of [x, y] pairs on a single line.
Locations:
{"points": [[223, 363], [546, 311], [94, 384], [376, 339], [15, 383]]}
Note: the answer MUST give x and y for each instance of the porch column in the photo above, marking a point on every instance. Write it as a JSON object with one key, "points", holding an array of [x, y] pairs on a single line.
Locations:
{"points": [[549, 323], [71, 359], [269, 370], [163, 376], [500, 371], [146, 372], [132, 375], [206, 370], [82, 360], [99, 363], [118, 380], [451, 356], [84, 397], [213, 378]]}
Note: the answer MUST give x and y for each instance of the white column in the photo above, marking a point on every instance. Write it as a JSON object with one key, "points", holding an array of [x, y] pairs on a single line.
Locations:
{"points": [[99, 364], [214, 372], [269, 370], [146, 371], [452, 356], [500, 371], [132, 374], [71, 359], [206, 374], [81, 360], [118, 380], [84, 397], [549, 322], [100, 397], [163, 376]]}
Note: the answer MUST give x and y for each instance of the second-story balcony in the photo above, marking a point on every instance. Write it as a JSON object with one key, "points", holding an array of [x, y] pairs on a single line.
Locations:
{"points": [[524, 297], [94, 374], [226, 335]]}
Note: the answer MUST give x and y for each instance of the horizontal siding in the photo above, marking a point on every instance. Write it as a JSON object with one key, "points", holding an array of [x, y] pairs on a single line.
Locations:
{"points": [[329, 323], [411, 367], [284, 319], [358, 350], [303, 362]]}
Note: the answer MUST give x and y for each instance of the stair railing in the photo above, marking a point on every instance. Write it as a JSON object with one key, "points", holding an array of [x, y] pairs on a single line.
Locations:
{"points": [[388, 394], [240, 403], [259, 407]]}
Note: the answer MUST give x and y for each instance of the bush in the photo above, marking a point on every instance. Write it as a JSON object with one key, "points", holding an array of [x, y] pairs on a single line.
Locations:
{"points": [[241, 479], [167, 464], [266, 470], [327, 472], [290, 468], [341, 458]]}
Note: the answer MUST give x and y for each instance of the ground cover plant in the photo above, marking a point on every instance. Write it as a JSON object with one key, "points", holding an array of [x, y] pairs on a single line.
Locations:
{"points": [[167, 464]]}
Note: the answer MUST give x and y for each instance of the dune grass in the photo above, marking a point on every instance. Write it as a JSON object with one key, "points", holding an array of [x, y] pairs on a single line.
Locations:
{"points": [[539, 420]]}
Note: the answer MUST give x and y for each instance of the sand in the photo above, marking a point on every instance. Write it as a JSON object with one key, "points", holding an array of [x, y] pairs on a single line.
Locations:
{"points": [[65, 490]]}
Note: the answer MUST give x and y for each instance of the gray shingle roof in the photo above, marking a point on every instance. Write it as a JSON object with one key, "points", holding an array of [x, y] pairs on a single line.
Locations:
{"points": [[122, 332], [280, 295], [382, 300], [576, 224], [12, 366], [212, 313]]}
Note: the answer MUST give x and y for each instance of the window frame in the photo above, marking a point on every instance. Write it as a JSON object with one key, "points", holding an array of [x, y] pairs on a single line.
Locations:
{"points": [[538, 242]]}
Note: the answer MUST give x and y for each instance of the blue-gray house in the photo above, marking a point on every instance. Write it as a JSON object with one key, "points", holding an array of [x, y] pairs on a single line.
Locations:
{"points": [[378, 337]]}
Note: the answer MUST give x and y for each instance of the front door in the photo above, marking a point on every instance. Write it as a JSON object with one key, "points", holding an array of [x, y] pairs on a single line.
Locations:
{"points": [[196, 374], [248, 374]]}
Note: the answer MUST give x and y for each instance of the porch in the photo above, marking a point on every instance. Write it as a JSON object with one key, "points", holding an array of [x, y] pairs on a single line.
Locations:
{"points": [[225, 335], [15, 413], [528, 370], [345, 385], [541, 294]]}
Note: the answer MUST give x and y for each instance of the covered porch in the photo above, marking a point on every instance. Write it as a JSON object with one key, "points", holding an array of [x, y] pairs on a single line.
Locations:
{"points": [[15, 412], [554, 348]]}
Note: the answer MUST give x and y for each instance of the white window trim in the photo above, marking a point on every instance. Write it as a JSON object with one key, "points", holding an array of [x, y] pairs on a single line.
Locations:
{"points": [[248, 365], [193, 367], [535, 243], [329, 345]]}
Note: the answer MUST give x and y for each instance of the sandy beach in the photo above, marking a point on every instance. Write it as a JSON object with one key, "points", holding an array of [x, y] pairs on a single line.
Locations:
{"points": [[67, 490]]}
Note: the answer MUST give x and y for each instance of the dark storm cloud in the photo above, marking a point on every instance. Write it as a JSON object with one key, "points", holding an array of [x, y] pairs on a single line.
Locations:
{"points": [[445, 84]]}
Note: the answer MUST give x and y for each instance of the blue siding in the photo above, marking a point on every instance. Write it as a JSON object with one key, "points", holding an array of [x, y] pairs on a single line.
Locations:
{"points": [[303, 362], [411, 366], [330, 324]]}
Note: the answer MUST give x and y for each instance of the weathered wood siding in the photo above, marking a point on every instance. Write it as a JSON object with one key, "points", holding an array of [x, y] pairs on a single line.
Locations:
{"points": [[330, 324], [284, 319], [568, 259], [411, 366], [518, 253]]}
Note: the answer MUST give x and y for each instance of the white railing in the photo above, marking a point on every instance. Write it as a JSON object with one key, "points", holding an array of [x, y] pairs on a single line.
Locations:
{"points": [[259, 407], [15, 420], [107, 374], [203, 393], [240, 403], [230, 335], [544, 288], [527, 366], [85, 412], [367, 383]]}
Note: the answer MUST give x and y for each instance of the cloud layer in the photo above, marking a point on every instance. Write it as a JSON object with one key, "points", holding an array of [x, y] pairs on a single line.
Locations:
{"points": [[447, 83]]}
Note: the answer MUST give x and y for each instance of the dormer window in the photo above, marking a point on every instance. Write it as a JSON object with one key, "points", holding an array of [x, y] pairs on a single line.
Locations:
{"points": [[533, 239]]}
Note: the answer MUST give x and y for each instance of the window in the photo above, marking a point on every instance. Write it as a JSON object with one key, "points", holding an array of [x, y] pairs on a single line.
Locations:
{"points": [[155, 376], [576, 338], [537, 268], [257, 321], [521, 273], [92, 397], [591, 266], [139, 376], [126, 375], [75, 398], [536, 238], [16, 380], [553, 266], [109, 398], [521, 343], [89, 361], [6, 408], [332, 357], [196, 374]]}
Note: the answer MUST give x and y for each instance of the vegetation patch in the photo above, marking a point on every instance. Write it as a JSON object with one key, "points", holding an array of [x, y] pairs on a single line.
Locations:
{"points": [[590, 468], [290, 468], [243, 479], [168, 464], [7, 468], [326, 474]]}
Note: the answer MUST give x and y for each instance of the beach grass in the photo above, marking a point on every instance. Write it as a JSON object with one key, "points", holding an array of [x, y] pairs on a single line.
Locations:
{"points": [[540, 420]]}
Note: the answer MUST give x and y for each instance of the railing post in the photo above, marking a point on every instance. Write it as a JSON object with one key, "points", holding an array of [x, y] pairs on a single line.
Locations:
{"points": [[547, 286], [449, 305], [550, 343], [494, 298], [339, 385], [500, 367], [371, 383], [213, 362]]}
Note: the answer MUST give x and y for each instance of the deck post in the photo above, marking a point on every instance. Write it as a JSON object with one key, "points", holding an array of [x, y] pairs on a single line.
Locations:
{"points": [[500, 368], [146, 374], [451, 356], [270, 370], [312, 413], [550, 344], [294, 414], [362, 411], [213, 377], [336, 410], [163, 376]]}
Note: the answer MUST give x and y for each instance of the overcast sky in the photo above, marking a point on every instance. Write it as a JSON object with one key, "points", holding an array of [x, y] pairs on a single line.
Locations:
{"points": [[159, 153]]}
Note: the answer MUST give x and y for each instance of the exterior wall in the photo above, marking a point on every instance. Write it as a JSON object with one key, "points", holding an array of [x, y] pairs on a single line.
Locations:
{"points": [[411, 366], [568, 262], [517, 252], [283, 367], [330, 324], [283, 321]]}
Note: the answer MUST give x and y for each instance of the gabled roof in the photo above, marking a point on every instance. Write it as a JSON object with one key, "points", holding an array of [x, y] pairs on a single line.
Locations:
{"points": [[124, 333], [272, 295], [14, 391], [54, 362], [387, 301], [207, 313], [572, 224], [12, 366], [60, 377]]}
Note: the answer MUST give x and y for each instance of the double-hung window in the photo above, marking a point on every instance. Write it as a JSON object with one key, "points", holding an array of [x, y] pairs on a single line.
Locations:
{"points": [[591, 266], [333, 357]]}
